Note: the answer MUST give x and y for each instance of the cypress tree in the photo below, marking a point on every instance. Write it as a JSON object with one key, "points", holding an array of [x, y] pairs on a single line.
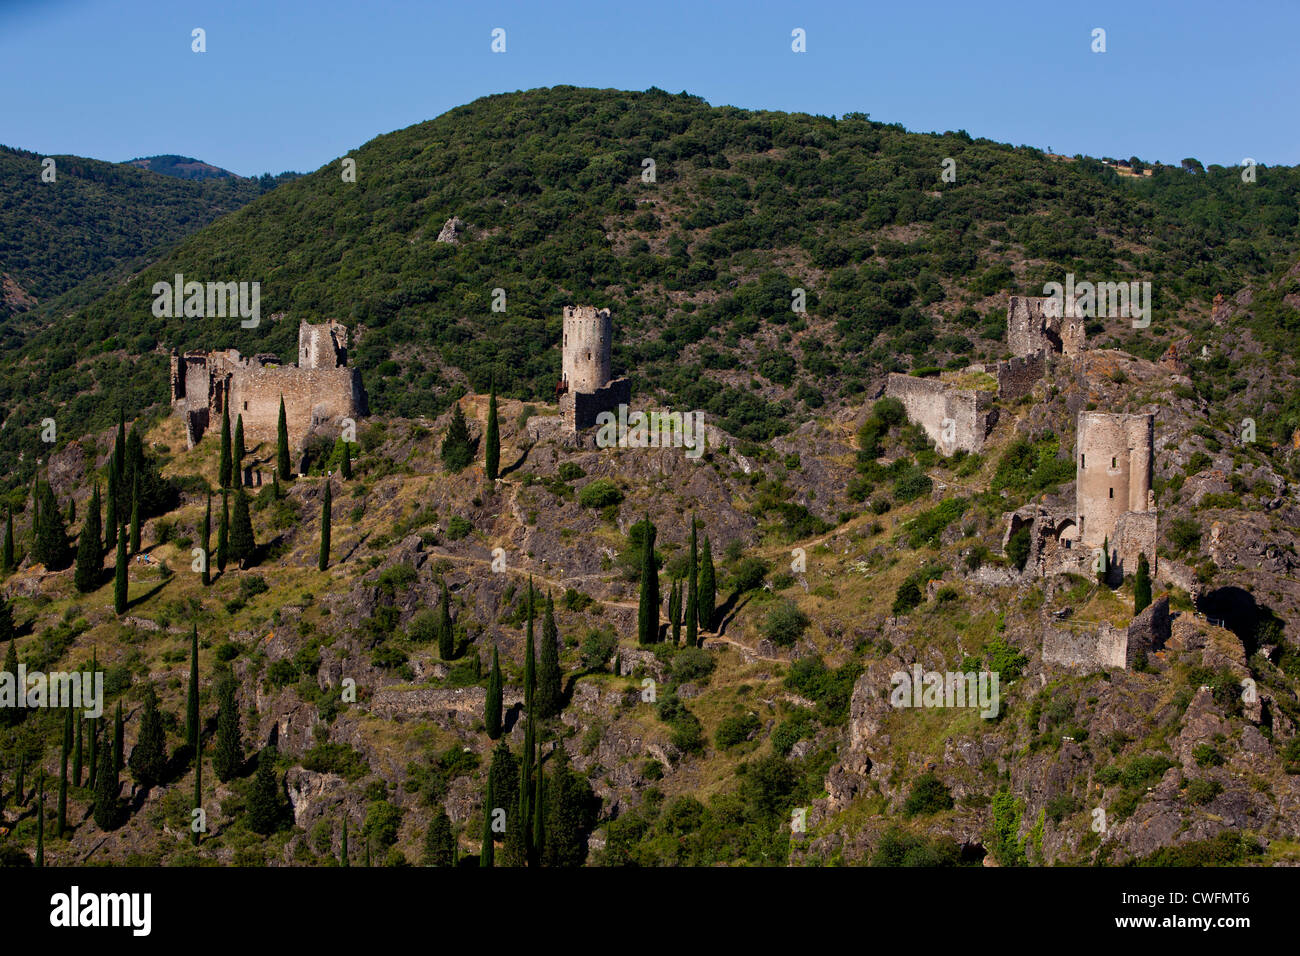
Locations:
{"points": [[119, 575], [135, 516], [7, 563], [446, 633], [206, 575], [237, 454], [63, 772], [530, 658], [72, 511], [568, 815], [223, 533], [198, 792], [325, 506], [539, 816], [243, 545], [485, 857], [457, 452], [119, 744], [40, 819], [708, 588], [549, 680], [527, 768], [148, 757], [345, 468], [1142, 585], [648, 611], [492, 438], [111, 520], [264, 810], [692, 593], [282, 444], [275, 483], [119, 443], [106, 788], [492, 716], [438, 841], [192, 693], [77, 721], [223, 464], [366, 859], [1105, 560], [51, 547], [8, 631], [9, 716], [343, 845], [675, 611], [90, 557], [94, 745], [229, 755]]}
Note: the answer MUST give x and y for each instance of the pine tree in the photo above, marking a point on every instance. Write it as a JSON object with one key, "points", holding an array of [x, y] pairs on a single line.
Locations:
{"points": [[530, 658], [708, 588], [223, 464], [111, 519], [223, 533], [119, 743], [457, 452], [485, 857], [107, 785], [206, 574], [549, 691], [237, 454], [7, 562], [119, 575], [229, 755], [243, 546], [492, 438], [90, 557], [282, 444], [192, 693], [77, 722], [446, 633], [148, 757], [692, 593], [264, 808], [1142, 585], [135, 516], [648, 611], [63, 772], [343, 845], [326, 504], [439, 843], [675, 611], [492, 716], [51, 546]]}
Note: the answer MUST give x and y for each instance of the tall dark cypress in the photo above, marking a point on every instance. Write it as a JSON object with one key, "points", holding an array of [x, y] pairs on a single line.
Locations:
{"points": [[77, 722], [326, 505], [530, 658], [486, 854], [549, 679], [243, 546], [648, 610], [40, 819], [675, 611], [63, 772], [282, 444], [105, 806], [439, 842], [492, 438], [192, 694], [708, 588], [1142, 585], [111, 517], [135, 515], [492, 716], [265, 809], [692, 593], [119, 575], [229, 755], [93, 744], [51, 546], [119, 442], [148, 757], [119, 744], [195, 833], [343, 844], [7, 561], [538, 832], [345, 466], [206, 573], [223, 533], [238, 453], [90, 556], [223, 464], [446, 633]]}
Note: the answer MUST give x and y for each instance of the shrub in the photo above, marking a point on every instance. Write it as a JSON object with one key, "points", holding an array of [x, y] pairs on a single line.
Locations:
{"points": [[785, 624], [1018, 547], [458, 527], [907, 597], [1203, 790], [736, 730], [929, 795], [600, 493]]}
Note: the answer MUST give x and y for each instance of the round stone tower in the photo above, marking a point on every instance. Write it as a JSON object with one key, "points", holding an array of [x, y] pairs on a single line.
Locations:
{"points": [[588, 333], [1113, 462]]}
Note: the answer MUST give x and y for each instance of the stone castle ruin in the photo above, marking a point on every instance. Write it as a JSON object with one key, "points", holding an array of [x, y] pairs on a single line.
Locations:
{"points": [[585, 388], [1033, 329], [954, 418], [321, 390]]}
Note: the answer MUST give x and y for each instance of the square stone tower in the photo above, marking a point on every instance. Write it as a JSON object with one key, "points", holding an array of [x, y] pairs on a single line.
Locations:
{"points": [[1033, 327], [322, 346]]}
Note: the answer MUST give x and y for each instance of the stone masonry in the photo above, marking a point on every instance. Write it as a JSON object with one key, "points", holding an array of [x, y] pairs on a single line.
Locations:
{"points": [[585, 388], [320, 391], [1115, 500], [954, 418], [1031, 328]]}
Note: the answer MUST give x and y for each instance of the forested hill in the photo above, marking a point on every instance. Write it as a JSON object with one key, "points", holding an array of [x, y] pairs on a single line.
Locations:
{"points": [[182, 167], [901, 269]]}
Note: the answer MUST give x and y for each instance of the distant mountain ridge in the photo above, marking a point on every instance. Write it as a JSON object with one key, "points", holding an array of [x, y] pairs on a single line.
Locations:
{"points": [[182, 167]]}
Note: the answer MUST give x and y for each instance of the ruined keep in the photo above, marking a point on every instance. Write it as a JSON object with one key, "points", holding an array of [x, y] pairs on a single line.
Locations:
{"points": [[585, 388], [321, 390], [1114, 499], [1032, 328], [953, 418]]}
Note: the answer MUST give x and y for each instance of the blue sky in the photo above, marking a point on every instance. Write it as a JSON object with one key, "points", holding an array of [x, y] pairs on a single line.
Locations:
{"points": [[293, 85]]}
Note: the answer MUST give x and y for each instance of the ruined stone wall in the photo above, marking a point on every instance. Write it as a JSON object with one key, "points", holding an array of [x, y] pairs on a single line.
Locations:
{"points": [[1084, 647], [322, 346], [932, 404], [312, 397], [588, 338], [581, 408], [1018, 376], [1135, 534], [1033, 327], [1113, 472]]}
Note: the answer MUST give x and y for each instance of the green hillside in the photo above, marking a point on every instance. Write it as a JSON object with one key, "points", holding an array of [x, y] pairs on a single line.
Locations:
{"points": [[901, 269]]}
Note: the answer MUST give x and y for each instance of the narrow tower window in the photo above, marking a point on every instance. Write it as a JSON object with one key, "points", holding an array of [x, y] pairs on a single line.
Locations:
{"points": [[1112, 492]]}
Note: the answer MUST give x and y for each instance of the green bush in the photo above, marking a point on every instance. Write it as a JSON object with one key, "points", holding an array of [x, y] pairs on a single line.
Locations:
{"points": [[735, 730], [928, 795], [785, 623], [600, 493]]}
